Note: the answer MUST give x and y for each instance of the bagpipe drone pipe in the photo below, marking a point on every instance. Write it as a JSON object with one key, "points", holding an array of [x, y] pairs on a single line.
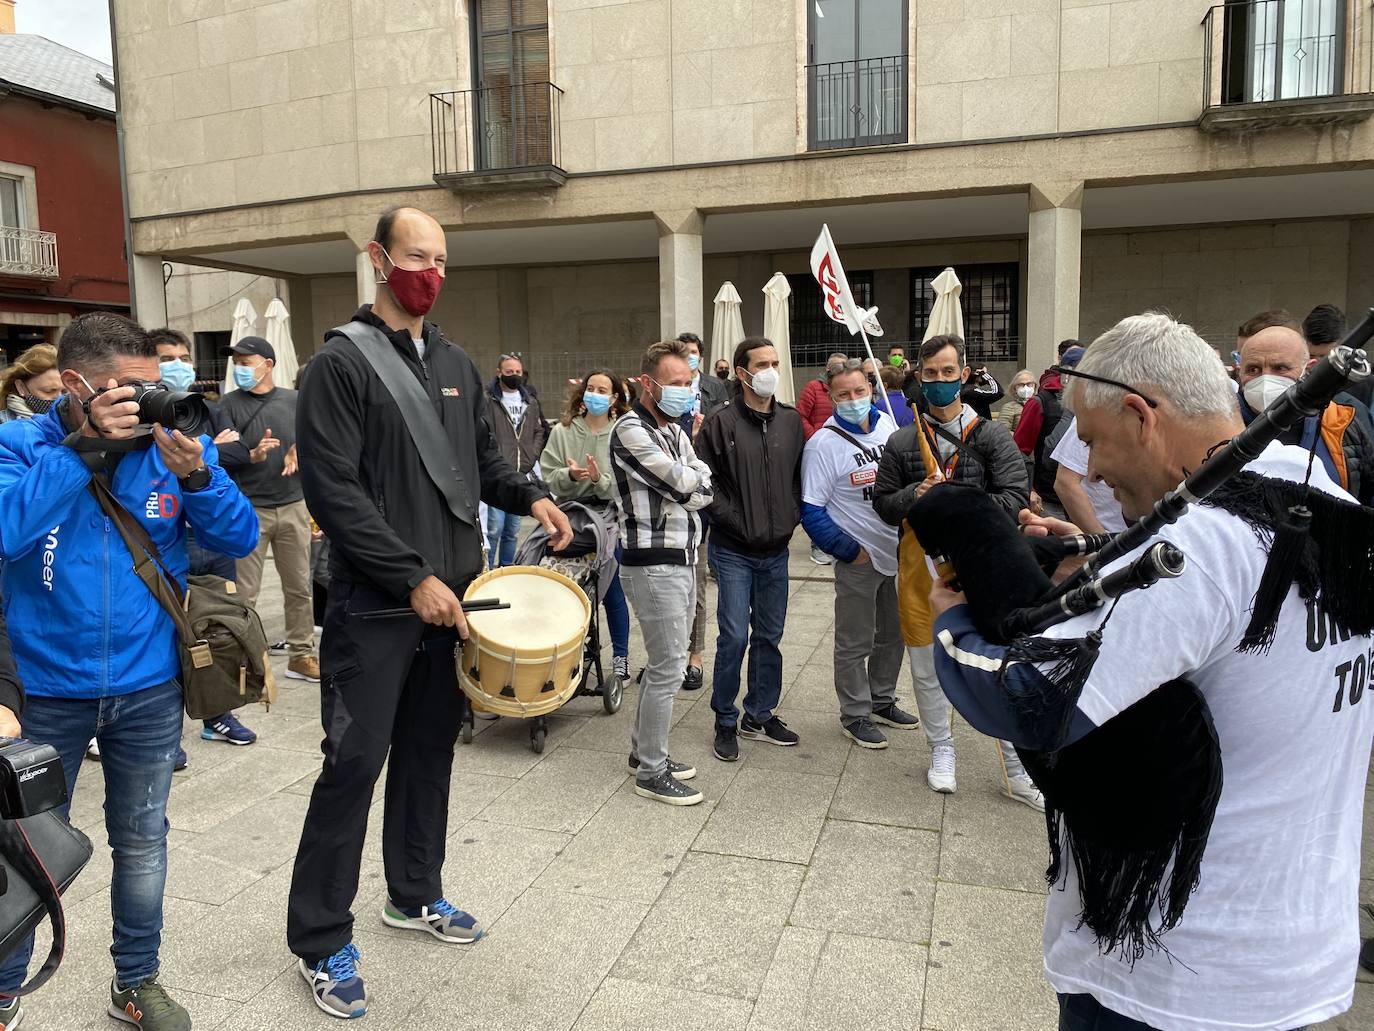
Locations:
{"points": [[1133, 799]]}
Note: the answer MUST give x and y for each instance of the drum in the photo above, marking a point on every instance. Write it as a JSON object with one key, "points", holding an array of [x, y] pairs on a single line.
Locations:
{"points": [[526, 660]]}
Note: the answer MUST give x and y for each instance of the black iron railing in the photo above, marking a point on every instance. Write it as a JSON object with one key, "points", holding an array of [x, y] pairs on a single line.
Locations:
{"points": [[496, 128], [857, 103], [1257, 51]]}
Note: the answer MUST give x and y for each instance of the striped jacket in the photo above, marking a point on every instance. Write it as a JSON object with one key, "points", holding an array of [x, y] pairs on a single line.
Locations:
{"points": [[660, 485]]}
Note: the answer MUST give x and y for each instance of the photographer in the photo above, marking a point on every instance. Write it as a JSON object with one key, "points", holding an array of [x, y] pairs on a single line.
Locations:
{"points": [[99, 655]]}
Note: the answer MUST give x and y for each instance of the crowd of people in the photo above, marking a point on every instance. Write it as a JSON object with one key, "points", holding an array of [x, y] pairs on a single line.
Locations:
{"points": [[706, 474]]}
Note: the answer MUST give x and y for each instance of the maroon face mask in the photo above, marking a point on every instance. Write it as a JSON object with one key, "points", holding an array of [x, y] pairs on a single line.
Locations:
{"points": [[414, 289]]}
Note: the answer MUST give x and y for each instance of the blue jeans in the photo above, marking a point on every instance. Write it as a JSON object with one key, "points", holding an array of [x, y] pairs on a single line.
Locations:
{"points": [[138, 734], [751, 608], [617, 611], [502, 530]]}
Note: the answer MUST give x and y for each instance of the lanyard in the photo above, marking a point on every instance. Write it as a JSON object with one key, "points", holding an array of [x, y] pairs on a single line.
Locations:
{"points": [[929, 430]]}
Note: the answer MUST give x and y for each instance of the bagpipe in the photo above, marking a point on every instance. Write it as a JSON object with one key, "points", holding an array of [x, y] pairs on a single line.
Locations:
{"points": [[1137, 839]]}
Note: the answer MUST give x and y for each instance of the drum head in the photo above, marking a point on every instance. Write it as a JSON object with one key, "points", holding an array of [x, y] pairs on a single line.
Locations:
{"points": [[545, 609]]}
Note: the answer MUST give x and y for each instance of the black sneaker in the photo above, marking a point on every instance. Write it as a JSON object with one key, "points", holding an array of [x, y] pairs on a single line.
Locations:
{"points": [[864, 734], [692, 679], [279, 647], [727, 744], [668, 789], [891, 716], [1367, 955], [11, 1014], [682, 771], [774, 731]]}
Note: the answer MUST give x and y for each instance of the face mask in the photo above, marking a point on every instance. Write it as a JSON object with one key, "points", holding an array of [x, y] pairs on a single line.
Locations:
{"points": [[245, 377], [694, 362], [722, 374], [597, 404], [38, 405], [512, 382], [414, 289], [941, 394], [1262, 391], [854, 411], [765, 382], [896, 360], [1025, 393], [177, 375], [675, 402]]}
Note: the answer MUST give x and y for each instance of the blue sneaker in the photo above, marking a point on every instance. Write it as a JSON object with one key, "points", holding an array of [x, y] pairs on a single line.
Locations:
{"points": [[442, 920], [180, 763], [336, 984], [227, 728]]}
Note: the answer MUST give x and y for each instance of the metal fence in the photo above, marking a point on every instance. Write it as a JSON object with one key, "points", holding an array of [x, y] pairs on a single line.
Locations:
{"points": [[28, 252], [857, 103], [496, 128]]}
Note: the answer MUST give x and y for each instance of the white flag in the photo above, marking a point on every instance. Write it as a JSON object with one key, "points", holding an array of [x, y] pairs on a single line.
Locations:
{"points": [[838, 301]]}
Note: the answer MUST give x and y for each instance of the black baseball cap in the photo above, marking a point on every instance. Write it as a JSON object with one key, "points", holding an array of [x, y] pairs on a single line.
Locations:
{"points": [[254, 345]]}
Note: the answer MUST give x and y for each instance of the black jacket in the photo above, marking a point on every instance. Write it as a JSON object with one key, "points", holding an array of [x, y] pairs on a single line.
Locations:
{"points": [[755, 461], [520, 447], [387, 523], [990, 459], [11, 690]]}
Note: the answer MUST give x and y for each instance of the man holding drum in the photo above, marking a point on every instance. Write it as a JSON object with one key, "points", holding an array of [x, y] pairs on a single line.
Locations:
{"points": [[394, 476]]}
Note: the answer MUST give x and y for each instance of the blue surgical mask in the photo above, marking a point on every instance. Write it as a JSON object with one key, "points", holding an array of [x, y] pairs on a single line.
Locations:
{"points": [[597, 404], [245, 377], [693, 362], [942, 393], [675, 402], [855, 411], [177, 375]]}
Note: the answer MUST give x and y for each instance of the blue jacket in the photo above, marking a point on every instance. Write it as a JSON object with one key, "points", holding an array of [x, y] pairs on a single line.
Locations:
{"points": [[81, 622]]}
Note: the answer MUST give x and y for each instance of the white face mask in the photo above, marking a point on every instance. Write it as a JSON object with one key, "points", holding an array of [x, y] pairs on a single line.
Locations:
{"points": [[1262, 391], [1025, 393], [764, 382]]}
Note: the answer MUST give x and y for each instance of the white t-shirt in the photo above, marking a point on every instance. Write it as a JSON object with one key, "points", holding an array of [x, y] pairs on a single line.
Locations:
{"points": [[420, 346], [514, 403], [1072, 454], [839, 477], [1269, 940]]}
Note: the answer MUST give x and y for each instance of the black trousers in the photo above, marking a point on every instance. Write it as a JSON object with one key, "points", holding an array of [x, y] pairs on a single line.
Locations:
{"points": [[386, 685], [1084, 1013]]}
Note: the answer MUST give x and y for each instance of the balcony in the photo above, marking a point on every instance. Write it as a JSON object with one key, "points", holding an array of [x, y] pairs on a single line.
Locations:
{"points": [[497, 137], [1273, 63], [857, 103], [28, 252]]}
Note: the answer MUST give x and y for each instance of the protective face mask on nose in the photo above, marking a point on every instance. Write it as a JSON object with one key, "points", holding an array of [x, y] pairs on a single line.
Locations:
{"points": [[942, 393], [1025, 393], [694, 362], [597, 404], [415, 290], [854, 411], [1262, 391], [177, 375], [675, 402], [765, 382], [245, 377]]}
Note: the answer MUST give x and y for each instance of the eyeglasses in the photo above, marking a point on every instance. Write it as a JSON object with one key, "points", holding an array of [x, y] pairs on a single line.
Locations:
{"points": [[1068, 371]]}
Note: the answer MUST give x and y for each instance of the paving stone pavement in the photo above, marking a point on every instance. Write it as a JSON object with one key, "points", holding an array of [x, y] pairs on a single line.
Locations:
{"points": [[821, 888]]}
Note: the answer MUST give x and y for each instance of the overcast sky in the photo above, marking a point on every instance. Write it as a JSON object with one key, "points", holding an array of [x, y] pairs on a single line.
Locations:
{"points": [[83, 25]]}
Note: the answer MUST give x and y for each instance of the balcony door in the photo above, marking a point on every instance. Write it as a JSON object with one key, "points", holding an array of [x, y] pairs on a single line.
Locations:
{"points": [[512, 101], [856, 73], [1283, 49]]}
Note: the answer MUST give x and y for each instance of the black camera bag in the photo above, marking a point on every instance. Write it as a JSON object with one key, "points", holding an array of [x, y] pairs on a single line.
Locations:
{"points": [[40, 856]]}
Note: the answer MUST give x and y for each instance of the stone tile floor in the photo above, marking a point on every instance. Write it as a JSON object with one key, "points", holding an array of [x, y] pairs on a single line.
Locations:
{"points": [[822, 887]]}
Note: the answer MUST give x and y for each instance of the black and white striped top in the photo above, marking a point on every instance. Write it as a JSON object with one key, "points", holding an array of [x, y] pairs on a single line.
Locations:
{"points": [[660, 485]]}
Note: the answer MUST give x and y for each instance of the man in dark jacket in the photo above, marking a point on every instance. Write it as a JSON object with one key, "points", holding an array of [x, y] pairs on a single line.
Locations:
{"points": [[398, 538], [709, 392], [968, 449], [753, 446], [517, 422]]}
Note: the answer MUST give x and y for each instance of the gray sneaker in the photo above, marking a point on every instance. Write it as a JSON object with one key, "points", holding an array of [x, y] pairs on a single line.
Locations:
{"points": [[864, 734], [668, 789], [891, 716], [11, 1015], [148, 1006], [682, 771]]}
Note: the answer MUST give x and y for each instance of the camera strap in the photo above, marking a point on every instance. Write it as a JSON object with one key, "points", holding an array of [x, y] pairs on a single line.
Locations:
{"points": [[417, 411], [23, 858]]}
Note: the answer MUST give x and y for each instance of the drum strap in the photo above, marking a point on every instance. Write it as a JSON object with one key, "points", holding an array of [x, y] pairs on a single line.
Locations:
{"points": [[417, 410]]}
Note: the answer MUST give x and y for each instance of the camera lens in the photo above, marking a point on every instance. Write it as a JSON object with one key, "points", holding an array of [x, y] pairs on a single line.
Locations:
{"points": [[173, 409]]}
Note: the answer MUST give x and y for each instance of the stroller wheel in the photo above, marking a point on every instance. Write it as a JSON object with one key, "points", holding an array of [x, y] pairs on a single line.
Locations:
{"points": [[537, 737], [466, 733], [612, 695]]}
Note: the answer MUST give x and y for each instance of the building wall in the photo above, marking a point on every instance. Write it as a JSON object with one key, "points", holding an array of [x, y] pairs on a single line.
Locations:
{"points": [[1214, 277], [202, 300]]}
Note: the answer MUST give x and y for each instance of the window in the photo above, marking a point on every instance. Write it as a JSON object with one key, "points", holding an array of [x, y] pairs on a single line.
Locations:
{"points": [[1283, 49], [813, 334], [856, 73], [514, 122], [211, 361], [12, 211], [990, 301]]}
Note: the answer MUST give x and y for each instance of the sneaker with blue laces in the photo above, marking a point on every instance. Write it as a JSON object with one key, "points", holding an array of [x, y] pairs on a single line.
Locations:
{"points": [[335, 983], [227, 728], [441, 919]]}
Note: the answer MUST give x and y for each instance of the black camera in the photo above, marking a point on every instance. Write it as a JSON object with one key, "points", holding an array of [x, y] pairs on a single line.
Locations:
{"points": [[31, 780], [172, 409]]}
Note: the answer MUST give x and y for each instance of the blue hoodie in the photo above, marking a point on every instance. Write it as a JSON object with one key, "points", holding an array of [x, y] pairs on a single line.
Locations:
{"points": [[82, 624]]}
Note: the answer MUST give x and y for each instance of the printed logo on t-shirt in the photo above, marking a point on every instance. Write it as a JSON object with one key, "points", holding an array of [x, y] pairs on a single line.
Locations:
{"points": [[1351, 677], [863, 478], [161, 506]]}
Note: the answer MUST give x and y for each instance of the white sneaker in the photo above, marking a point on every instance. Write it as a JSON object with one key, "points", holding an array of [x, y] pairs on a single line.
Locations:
{"points": [[93, 750], [1023, 790], [819, 557], [940, 776]]}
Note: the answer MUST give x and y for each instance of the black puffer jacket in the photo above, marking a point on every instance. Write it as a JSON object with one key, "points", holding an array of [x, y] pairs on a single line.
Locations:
{"points": [[990, 459], [755, 461]]}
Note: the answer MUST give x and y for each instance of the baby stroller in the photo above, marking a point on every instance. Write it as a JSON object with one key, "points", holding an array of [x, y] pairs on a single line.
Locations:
{"points": [[589, 561]]}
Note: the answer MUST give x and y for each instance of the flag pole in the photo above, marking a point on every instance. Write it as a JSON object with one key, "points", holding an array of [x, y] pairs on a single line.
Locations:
{"points": [[869, 348]]}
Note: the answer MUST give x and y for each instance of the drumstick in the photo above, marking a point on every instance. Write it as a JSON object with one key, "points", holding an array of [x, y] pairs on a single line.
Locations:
{"points": [[932, 466], [476, 605]]}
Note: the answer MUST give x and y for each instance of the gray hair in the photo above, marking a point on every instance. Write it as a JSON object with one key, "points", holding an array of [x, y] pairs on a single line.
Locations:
{"points": [[1161, 357]]}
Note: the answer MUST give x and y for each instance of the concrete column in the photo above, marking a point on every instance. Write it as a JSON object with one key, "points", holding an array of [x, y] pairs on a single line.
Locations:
{"points": [[367, 279], [680, 294], [1053, 269], [147, 293]]}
